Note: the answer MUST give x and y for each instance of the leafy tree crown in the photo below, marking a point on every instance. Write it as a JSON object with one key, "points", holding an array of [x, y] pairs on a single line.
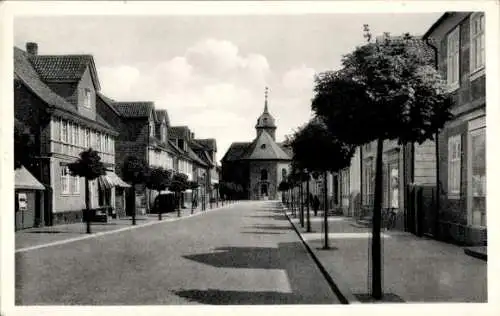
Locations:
{"points": [[89, 165]]}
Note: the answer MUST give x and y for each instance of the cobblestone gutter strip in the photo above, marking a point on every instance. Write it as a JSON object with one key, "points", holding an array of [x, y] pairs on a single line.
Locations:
{"points": [[477, 252], [340, 289]]}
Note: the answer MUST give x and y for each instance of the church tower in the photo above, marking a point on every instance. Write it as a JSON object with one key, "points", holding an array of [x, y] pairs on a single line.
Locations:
{"points": [[265, 122]]}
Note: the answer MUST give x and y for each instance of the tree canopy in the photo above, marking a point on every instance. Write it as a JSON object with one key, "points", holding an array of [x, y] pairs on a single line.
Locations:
{"points": [[24, 145], [179, 182], [384, 90], [283, 186], [317, 150], [159, 179], [89, 165], [135, 170]]}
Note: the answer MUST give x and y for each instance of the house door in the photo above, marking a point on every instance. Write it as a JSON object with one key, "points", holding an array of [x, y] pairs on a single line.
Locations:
{"points": [[263, 190]]}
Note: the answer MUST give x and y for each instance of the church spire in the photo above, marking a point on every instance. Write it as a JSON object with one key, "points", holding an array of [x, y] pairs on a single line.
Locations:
{"points": [[266, 92]]}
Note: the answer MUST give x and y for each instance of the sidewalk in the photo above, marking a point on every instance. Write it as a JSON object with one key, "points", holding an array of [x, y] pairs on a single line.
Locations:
{"points": [[414, 269], [40, 236]]}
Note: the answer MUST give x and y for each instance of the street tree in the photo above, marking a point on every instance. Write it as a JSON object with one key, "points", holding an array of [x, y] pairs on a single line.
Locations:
{"points": [[90, 167], [24, 146], [158, 180], [335, 155], [386, 90], [135, 172], [178, 185]]}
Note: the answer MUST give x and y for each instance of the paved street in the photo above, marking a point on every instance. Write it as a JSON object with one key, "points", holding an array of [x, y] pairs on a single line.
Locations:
{"points": [[246, 253]]}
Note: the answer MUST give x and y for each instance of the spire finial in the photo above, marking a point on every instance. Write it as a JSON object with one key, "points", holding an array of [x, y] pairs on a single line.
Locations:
{"points": [[266, 92]]}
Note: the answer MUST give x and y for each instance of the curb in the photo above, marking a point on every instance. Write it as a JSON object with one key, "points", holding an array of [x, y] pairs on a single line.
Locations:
{"points": [[341, 290], [132, 227], [476, 254]]}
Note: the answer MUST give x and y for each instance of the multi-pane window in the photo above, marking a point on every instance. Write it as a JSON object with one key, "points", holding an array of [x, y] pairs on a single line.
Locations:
{"points": [[64, 131], [76, 185], [75, 134], [98, 141], [65, 180], [87, 138], [151, 129], [454, 164], [87, 98], [453, 58], [477, 42]]}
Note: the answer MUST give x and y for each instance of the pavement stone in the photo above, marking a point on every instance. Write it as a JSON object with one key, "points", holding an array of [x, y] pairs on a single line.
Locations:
{"points": [[415, 269]]}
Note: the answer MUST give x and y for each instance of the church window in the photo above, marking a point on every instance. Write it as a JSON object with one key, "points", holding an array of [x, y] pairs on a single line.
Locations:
{"points": [[263, 146], [263, 174], [283, 173]]}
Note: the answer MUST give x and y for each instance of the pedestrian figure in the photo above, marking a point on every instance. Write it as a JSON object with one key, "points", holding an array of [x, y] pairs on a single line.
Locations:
{"points": [[315, 205]]}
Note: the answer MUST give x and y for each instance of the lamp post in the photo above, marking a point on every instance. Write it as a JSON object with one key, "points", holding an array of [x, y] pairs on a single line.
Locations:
{"points": [[308, 202]]}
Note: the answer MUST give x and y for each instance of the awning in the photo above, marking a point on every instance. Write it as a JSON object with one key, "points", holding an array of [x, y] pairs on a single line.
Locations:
{"points": [[25, 180], [111, 179]]}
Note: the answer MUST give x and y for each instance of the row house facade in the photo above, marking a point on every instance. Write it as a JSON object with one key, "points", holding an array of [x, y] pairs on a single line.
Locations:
{"points": [[58, 99], [437, 188], [55, 95]]}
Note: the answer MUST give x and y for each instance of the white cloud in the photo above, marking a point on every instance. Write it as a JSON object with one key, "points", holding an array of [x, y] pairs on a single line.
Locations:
{"points": [[215, 90], [300, 79]]}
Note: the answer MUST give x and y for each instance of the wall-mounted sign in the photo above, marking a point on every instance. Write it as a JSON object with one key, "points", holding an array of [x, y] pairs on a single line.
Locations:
{"points": [[22, 201]]}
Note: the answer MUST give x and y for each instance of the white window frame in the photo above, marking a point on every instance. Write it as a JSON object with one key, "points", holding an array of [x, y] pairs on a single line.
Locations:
{"points": [[475, 127], [65, 180], [453, 59], [87, 95], [454, 166], [151, 129], [477, 60], [64, 131], [87, 138], [76, 185]]}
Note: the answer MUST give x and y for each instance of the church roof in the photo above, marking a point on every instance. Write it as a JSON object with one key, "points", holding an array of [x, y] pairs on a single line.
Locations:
{"points": [[265, 120], [265, 148], [235, 151]]}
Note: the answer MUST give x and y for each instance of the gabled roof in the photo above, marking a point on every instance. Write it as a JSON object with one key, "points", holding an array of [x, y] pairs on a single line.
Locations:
{"points": [[135, 109], [436, 24], [265, 148], [235, 151], [179, 132], [195, 157], [208, 143], [64, 68], [109, 102], [162, 114], [25, 180], [29, 77]]}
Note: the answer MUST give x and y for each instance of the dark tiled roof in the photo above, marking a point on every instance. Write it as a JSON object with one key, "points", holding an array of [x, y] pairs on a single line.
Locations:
{"points": [[60, 67], [265, 148], [195, 157], [209, 143], [64, 68], [235, 151], [27, 75], [163, 114], [134, 109], [178, 132], [109, 102]]}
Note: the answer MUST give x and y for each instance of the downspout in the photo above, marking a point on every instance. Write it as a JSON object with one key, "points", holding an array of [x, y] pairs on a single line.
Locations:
{"points": [[438, 181]]}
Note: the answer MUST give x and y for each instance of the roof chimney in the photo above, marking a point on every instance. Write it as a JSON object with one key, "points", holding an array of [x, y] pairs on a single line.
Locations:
{"points": [[32, 48]]}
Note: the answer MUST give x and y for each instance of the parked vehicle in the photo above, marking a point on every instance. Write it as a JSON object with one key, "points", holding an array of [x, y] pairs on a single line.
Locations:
{"points": [[165, 203]]}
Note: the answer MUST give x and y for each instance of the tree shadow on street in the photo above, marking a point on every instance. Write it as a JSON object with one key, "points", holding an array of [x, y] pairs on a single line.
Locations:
{"points": [[218, 297], [306, 282]]}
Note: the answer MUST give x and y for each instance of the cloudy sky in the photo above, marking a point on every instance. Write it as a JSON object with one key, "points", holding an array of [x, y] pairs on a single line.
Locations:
{"points": [[210, 72]]}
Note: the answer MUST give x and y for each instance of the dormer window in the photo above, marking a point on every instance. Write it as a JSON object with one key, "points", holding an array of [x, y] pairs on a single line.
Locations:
{"points": [[87, 98], [180, 143]]}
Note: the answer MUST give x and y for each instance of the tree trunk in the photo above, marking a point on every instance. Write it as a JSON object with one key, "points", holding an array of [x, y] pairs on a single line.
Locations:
{"points": [[159, 208], [87, 205], [179, 204], [326, 211], [377, 208], [192, 200], [133, 205], [149, 201], [301, 202], [308, 209]]}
